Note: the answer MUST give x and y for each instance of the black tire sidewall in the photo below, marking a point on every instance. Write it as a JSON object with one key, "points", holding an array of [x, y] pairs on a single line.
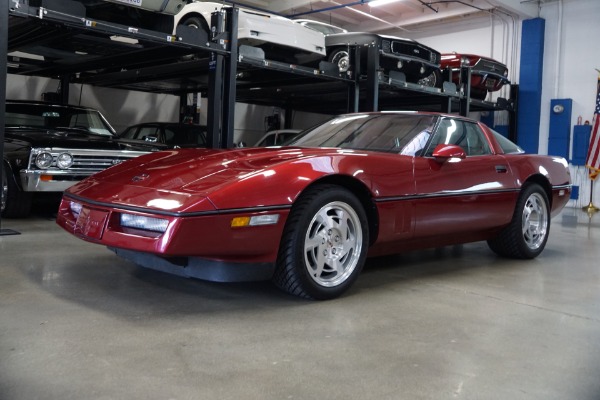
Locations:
{"points": [[297, 234]]}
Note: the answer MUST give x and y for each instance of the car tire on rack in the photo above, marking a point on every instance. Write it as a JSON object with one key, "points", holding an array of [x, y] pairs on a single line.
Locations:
{"points": [[432, 80], [341, 58], [197, 22], [15, 203], [526, 235], [324, 244]]}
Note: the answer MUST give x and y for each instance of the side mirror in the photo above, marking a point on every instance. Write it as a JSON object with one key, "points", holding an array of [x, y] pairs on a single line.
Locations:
{"points": [[443, 152]]}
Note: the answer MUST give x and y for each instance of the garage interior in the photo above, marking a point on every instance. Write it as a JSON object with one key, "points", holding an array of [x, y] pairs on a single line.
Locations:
{"points": [[455, 322]]}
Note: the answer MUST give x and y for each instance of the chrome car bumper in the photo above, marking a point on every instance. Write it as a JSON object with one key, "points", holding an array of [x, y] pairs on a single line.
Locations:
{"points": [[50, 181]]}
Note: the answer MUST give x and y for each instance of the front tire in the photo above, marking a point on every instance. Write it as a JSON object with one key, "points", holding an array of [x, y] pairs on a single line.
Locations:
{"points": [[324, 244], [526, 235]]}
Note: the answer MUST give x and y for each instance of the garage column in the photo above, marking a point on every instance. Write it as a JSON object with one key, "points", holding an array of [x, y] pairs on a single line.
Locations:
{"points": [[530, 83], [3, 71]]}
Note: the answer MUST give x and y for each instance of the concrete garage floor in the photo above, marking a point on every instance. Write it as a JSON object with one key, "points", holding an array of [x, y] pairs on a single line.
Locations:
{"points": [[76, 322]]}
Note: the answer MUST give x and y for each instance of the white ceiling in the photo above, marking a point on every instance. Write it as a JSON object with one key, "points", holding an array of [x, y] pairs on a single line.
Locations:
{"points": [[359, 16]]}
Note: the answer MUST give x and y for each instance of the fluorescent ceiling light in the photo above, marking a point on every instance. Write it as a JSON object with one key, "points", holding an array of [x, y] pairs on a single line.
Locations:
{"points": [[377, 3]]}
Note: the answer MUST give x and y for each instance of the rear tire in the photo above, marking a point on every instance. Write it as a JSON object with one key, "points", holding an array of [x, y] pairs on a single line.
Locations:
{"points": [[15, 203], [526, 235], [324, 244]]}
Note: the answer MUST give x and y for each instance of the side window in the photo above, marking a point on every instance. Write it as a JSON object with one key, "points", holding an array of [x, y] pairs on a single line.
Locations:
{"points": [[148, 133], [476, 144], [269, 140], [460, 133], [129, 133], [170, 137]]}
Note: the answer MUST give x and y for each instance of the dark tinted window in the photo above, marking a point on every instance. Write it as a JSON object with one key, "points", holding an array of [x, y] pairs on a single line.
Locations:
{"points": [[396, 133], [460, 133]]}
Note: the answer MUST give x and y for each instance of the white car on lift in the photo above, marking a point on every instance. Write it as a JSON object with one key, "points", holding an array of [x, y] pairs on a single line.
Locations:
{"points": [[280, 37]]}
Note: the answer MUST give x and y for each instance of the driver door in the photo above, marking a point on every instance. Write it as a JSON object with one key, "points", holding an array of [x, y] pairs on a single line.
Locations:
{"points": [[462, 195]]}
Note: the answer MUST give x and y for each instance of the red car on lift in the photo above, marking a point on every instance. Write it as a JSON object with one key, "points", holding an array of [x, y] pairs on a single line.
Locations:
{"points": [[487, 75], [307, 215]]}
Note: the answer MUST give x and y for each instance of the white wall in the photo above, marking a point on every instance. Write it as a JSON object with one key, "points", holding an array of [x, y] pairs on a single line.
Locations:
{"points": [[571, 56]]}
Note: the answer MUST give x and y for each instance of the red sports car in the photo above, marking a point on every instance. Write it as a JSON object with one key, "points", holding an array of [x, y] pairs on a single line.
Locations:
{"points": [[487, 74], [307, 215]]}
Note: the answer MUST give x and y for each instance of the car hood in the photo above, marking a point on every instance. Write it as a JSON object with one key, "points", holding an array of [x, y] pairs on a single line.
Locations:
{"points": [[69, 139], [192, 180]]}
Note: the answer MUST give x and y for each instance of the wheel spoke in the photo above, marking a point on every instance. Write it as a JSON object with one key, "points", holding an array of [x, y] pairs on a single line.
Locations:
{"points": [[534, 221], [331, 245]]}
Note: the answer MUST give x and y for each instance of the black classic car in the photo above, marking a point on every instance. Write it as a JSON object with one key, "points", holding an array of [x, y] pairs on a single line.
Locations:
{"points": [[415, 60], [48, 148], [166, 135]]}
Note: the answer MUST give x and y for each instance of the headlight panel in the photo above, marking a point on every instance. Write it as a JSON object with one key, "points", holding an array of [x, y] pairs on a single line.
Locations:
{"points": [[44, 160], [75, 208], [144, 223], [64, 161]]}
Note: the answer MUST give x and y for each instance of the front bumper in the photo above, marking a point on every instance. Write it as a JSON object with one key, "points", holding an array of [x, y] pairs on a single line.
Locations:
{"points": [[206, 234], [49, 181], [201, 268]]}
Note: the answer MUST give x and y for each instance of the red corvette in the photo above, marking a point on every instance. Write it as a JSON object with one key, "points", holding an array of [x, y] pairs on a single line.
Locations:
{"points": [[307, 215], [487, 74]]}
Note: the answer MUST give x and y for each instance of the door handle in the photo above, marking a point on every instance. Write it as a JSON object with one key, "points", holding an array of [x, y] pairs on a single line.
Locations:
{"points": [[501, 169]]}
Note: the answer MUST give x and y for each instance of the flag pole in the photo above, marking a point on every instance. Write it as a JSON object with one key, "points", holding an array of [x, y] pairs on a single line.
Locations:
{"points": [[591, 208], [593, 158]]}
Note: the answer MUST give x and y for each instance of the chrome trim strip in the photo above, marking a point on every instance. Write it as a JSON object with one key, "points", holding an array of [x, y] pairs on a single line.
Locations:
{"points": [[443, 194], [565, 186]]}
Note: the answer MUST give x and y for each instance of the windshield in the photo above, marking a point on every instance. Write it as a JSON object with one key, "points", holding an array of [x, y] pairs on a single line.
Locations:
{"points": [[56, 117], [395, 133]]}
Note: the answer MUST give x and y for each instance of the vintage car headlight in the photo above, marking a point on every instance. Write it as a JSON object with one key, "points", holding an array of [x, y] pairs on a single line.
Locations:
{"points": [[145, 223], [43, 160], [64, 160]]}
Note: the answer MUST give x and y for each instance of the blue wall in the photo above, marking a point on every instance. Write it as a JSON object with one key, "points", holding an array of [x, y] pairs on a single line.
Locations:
{"points": [[530, 84]]}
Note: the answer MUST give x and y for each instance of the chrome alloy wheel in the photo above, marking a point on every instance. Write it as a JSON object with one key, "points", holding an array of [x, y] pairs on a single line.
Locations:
{"points": [[534, 221], [332, 244]]}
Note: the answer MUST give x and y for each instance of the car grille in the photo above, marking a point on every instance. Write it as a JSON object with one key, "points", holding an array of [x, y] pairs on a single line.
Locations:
{"points": [[87, 161], [490, 67], [412, 50]]}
